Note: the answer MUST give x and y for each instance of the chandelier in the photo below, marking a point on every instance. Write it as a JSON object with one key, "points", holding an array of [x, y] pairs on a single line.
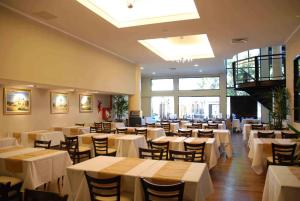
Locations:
{"points": [[183, 60], [130, 3]]}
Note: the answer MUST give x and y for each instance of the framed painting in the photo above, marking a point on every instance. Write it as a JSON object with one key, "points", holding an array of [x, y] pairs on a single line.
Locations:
{"points": [[16, 101], [85, 103], [59, 103]]}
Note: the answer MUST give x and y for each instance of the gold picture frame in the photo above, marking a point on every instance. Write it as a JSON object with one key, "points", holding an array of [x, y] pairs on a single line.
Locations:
{"points": [[16, 101], [85, 103], [59, 103]]}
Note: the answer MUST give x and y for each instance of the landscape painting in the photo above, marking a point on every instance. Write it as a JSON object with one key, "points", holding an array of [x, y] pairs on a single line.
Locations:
{"points": [[17, 101], [85, 103], [59, 103]]}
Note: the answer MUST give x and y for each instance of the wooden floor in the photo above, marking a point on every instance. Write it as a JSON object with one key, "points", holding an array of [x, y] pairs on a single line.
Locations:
{"points": [[233, 179]]}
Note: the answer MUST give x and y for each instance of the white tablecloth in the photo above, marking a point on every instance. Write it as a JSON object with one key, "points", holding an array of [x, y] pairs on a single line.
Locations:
{"points": [[250, 121], [8, 141], [37, 170], [282, 184], [197, 178], [223, 140], [173, 126], [175, 143], [115, 125], [152, 133], [247, 129], [257, 152], [125, 144], [220, 126], [27, 138], [236, 124], [72, 130]]}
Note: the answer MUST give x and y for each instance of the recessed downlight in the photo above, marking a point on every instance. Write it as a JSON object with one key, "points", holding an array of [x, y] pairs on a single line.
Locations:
{"points": [[142, 68], [196, 65], [153, 73]]}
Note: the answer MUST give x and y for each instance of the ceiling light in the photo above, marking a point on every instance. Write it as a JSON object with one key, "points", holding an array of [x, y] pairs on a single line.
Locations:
{"points": [[200, 71], [127, 13], [142, 68], [153, 73], [239, 40], [196, 65], [181, 49]]}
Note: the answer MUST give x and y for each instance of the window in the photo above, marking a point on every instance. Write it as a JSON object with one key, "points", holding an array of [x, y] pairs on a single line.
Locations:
{"points": [[162, 107], [199, 83], [162, 85], [199, 107]]}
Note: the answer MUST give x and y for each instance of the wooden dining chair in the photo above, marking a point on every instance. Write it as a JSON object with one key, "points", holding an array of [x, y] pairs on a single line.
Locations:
{"points": [[101, 147], [10, 188], [34, 195], [188, 156], [266, 134], [167, 128], [198, 148], [212, 126], [98, 125], [150, 125], [106, 188], [184, 133], [155, 191], [76, 152], [197, 125], [79, 124], [162, 146], [154, 154], [289, 135], [257, 127], [42, 144], [122, 130], [106, 127], [282, 154], [206, 133]]}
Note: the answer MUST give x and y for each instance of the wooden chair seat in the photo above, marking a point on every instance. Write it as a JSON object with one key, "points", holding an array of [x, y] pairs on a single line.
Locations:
{"points": [[110, 151], [83, 149]]}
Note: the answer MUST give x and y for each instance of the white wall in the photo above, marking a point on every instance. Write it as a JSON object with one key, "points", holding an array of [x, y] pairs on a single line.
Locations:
{"points": [[41, 118], [147, 93]]}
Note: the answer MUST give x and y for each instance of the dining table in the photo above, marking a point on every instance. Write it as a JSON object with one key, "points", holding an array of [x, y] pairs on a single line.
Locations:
{"points": [[152, 133], [262, 148], [35, 166], [246, 131], [27, 138], [8, 141], [126, 145], [72, 130], [198, 184], [282, 184]]}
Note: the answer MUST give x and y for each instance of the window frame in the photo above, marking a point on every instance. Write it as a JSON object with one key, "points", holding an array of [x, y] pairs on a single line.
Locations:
{"points": [[173, 88], [211, 76]]}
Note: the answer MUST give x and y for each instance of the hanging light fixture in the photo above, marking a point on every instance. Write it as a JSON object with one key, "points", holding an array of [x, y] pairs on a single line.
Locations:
{"points": [[130, 3]]}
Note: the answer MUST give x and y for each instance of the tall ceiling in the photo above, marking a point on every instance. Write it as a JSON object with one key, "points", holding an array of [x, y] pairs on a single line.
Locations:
{"points": [[263, 22]]}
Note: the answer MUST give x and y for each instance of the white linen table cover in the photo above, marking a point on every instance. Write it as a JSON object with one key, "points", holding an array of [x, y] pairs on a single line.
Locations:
{"points": [[115, 125], [211, 150], [37, 170], [220, 126], [223, 139], [67, 130], [198, 184], [247, 129], [8, 141], [175, 143], [236, 124], [256, 152], [281, 184], [152, 133], [54, 136], [250, 121]]}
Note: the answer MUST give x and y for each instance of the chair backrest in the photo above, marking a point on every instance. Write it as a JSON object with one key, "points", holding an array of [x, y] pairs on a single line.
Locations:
{"points": [[100, 146], [33, 195], [257, 127], [93, 129], [197, 125], [63, 145], [72, 145], [206, 133], [182, 155], [266, 134], [198, 148], [155, 154], [103, 188], [150, 125], [9, 192], [185, 133], [289, 135], [212, 126], [166, 127], [80, 124], [42, 144], [122, 130], [106, 126], [163, 146], [154, 191], [141, 131], [283, 154], [98, 125]]}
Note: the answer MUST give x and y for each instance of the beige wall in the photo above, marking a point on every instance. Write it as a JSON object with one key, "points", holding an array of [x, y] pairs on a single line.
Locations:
{"points": [[147, 94], [35, 53], [41, 118], [292, 50]]}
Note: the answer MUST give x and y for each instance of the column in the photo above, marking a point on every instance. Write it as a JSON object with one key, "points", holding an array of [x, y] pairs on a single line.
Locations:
{"points": [[277, 63], [264, 64], [134, 101]]}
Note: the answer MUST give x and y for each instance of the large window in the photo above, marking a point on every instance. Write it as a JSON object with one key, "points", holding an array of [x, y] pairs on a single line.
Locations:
{"points": [[162, 85], [199, 107], [162, 107], [199, 83]]}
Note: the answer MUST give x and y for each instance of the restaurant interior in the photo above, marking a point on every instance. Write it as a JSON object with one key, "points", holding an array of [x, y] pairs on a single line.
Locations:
{"points": [[187, 100]]}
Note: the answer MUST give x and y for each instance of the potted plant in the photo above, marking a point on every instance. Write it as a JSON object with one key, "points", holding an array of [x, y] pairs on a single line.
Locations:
{"points": [[120, 106], [280, 107]]}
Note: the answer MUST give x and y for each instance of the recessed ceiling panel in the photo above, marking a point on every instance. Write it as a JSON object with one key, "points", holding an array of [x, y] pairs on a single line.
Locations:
{"points": [[176, 48], [127, 13]]}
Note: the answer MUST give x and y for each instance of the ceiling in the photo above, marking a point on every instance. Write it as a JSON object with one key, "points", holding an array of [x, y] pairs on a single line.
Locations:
{"points": [[263, 22]]}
